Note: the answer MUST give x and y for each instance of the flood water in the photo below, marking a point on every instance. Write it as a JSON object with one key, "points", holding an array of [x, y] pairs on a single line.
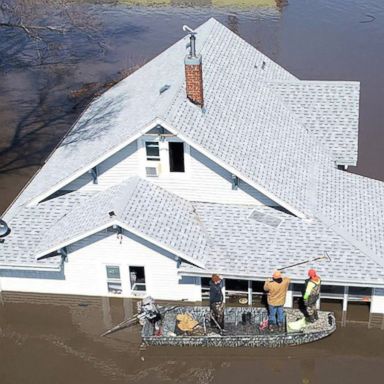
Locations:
{"points": [[47, 77], [56, 339]]}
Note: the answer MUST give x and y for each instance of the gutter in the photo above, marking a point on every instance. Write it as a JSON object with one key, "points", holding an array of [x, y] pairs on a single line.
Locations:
{"points": [[365, 284], [30, 267]]}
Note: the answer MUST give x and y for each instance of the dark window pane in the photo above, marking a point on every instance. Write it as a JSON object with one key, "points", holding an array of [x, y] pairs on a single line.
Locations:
{"points": [[176, 157], [152, 150], [137, 278], [364, 291], [333, 289], [113, 272]]}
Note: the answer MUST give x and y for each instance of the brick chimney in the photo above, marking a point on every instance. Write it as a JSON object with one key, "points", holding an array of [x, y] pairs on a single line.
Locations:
{"points": [[194, 73]]}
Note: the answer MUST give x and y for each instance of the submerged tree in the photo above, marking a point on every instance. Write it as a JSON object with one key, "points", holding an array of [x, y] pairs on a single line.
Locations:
{"points": [[44, 45], [38, 30]]}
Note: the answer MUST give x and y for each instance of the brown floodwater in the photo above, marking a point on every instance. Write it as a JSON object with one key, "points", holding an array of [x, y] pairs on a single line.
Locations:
{"points": [[47, 79], [56, 339]]}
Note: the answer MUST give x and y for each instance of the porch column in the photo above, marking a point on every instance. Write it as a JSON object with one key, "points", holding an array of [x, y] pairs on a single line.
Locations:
{"points": [[289, 298], [377, 302], [249, 292], [345, 307], [223, 290]]}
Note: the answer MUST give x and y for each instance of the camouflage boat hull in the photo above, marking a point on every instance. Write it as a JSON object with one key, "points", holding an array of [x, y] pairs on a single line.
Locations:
{"points": [[238, 333]]}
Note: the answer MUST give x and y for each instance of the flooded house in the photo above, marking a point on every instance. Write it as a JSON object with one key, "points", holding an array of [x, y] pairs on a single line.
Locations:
{"points": [[211, 158]]}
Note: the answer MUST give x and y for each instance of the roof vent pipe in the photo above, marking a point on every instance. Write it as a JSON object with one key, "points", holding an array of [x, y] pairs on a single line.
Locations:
{"points": [[193, 71], [192, 44]]}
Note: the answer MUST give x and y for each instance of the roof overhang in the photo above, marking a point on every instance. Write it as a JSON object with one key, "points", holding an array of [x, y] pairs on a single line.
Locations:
{"points": [[338, 282], [166, 125], [37, 199], [30, 267], [128, 229]]}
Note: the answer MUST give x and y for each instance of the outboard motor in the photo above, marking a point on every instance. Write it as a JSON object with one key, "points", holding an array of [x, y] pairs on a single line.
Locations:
{"points": [[149, 310]]}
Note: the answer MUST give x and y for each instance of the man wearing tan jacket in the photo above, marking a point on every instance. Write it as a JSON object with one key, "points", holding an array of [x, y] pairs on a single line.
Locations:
{"points": [[277, 288]]}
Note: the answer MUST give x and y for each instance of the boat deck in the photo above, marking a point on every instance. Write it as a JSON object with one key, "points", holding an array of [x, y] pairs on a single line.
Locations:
{"points": [[244, 326]]}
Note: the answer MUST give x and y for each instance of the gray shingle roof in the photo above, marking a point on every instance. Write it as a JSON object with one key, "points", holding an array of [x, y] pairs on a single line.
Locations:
{"points": [[250, 248], [141, 206], [230, 239], [329, 109], [30, 226], [354, 206], [281, 133]]}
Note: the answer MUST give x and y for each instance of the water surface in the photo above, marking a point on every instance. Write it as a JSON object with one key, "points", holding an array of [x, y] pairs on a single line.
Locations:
{"points": [[46, 339]]}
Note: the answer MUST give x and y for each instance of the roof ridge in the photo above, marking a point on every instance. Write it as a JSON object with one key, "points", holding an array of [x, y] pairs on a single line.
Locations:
{"points": [[348, 237], [131, 185]]}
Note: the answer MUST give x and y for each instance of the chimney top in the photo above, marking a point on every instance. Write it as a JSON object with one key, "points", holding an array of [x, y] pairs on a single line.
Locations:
{"points": [[193, 71]]}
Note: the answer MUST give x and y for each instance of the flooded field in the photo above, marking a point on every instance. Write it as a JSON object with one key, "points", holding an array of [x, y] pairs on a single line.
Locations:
{"points": [[46, 339], [47, 77]]}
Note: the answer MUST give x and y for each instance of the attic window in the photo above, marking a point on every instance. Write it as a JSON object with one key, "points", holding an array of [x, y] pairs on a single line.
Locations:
{"points": [[152, 150], [164, 88], [265, 218]]}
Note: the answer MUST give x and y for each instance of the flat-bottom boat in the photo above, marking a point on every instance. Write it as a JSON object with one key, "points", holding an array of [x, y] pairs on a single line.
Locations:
{"points": [[244, 327]]}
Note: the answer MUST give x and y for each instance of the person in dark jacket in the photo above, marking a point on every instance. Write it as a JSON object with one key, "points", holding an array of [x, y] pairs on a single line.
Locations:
{"points": [[216, 299]]}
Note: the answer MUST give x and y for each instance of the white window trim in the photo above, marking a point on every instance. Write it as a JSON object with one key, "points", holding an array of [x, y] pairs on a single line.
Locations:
{"points": [[113, 280], [165, 173], [138, 293]]}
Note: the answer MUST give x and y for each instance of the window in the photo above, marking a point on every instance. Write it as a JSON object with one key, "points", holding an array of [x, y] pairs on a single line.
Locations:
{"points": [[137, 279], [113, 279], [176, 157], [152, 150]]}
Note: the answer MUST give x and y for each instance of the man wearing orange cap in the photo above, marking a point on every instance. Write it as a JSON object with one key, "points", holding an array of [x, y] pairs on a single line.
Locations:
{"points": [[277, 288], [311, 295]]}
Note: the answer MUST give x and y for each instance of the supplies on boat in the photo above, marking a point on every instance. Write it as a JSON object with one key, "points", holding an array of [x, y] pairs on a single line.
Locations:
{"points": [[186, 324], [296, 326]]}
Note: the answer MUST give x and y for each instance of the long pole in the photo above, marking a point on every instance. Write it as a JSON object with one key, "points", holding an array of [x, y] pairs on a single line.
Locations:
{"points": [[121, 325], [326, 256]]}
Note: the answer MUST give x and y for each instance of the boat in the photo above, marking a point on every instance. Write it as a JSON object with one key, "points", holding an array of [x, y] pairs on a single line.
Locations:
{"points": [[244, 327]]}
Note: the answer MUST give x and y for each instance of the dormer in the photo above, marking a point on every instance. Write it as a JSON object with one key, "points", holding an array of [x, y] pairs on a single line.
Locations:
{"points": [[163, 154]]}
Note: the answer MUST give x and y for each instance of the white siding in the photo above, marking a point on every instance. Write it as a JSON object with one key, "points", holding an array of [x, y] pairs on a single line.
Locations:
{"points": [[85, 271], [112, 171], [208, 182], [203, 179]]}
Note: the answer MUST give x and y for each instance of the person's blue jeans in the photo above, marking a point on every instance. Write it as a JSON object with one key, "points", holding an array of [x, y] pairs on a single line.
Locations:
{"points": [[276, 311]]}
